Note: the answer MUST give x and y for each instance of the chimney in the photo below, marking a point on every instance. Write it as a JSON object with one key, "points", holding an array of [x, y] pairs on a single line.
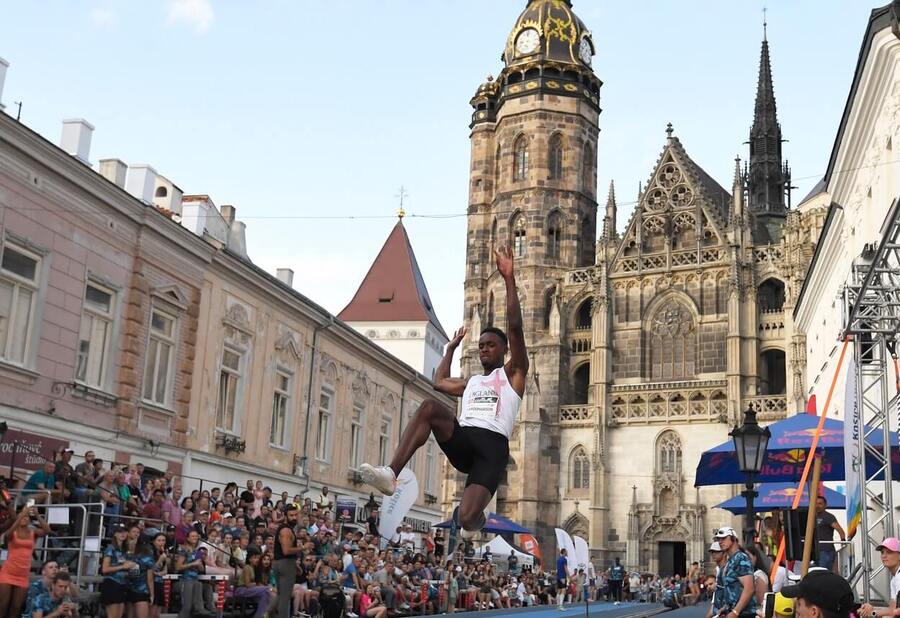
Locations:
{"points": [[140, 182], [286, 276], [114, 171], [76, 138], [237, 239], [228, 213], [3, 66]]}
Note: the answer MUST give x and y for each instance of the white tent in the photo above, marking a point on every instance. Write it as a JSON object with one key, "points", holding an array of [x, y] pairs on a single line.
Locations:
{"points": [[500, 550]]}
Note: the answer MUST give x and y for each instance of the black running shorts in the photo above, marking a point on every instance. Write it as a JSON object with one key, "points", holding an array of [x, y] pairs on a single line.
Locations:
{"points": [[481, 453]]}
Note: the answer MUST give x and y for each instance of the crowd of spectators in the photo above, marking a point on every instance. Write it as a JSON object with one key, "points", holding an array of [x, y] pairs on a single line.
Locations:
{"points": [[284, 555]]}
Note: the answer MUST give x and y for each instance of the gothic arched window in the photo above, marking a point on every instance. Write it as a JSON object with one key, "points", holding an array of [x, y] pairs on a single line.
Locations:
{"points": [[555, 157], [588, 171], [580, 469], [490, 310], [497, 162], [554, 236], [520, 159], [668, 453], [549, 297], [670, 342], [494, 239], [518, 235]]}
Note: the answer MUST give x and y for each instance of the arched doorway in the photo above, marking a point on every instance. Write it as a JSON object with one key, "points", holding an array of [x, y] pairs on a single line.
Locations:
{"points": [[772, 373]]}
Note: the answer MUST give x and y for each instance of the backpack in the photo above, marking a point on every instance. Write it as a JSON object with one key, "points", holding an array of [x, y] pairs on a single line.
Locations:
{"points": [[331, 602]]}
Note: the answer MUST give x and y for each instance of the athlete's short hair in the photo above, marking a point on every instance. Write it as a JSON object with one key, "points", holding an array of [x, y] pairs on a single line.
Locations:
{"points": [[496, 331]]}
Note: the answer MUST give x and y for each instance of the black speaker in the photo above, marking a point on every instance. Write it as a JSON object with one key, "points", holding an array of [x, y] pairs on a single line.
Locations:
{"points": [[795, 535]]}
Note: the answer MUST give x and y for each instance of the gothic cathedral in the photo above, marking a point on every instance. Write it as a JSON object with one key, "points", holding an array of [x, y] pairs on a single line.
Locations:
{"points": [[647, 345]]}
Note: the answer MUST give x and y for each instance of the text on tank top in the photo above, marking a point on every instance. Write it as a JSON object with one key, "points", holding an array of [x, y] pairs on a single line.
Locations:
{"points": [[490, 402], [279, 553]]}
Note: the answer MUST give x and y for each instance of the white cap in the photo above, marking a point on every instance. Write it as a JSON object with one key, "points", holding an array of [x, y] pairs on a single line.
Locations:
{"points": [[714, 546], [726, 531]]}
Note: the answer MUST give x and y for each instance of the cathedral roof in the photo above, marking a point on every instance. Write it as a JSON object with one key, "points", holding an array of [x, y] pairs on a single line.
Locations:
{"points": [[677, 193], [393, 290]]}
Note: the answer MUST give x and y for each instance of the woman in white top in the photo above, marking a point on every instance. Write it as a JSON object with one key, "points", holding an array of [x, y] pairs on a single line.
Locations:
{"points": [[761, 567]]}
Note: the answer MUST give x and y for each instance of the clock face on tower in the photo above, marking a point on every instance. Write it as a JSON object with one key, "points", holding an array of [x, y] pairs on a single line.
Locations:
{"points": [[585, 51], [527, 41]]}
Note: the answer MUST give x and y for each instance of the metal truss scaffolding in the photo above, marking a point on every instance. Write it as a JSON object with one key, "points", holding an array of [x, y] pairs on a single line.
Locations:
{"points": [[873, 322]]}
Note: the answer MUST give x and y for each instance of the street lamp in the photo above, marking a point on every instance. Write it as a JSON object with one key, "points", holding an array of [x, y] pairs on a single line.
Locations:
{"points": [[750, 444]]}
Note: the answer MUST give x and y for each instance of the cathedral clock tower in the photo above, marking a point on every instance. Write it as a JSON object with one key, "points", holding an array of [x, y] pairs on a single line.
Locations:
{"points": [[533, 187]]}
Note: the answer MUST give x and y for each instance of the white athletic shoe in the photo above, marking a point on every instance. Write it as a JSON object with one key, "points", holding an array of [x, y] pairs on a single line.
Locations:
{"points": [[468, 535], [381, 478]]}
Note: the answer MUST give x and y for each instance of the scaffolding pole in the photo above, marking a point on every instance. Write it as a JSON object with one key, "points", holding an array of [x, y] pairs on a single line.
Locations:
{"points": [[872, 304]]}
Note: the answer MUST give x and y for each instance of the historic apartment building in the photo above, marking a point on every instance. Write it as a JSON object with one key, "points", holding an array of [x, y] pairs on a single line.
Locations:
{"points": [[647, 345], [133, 323]]}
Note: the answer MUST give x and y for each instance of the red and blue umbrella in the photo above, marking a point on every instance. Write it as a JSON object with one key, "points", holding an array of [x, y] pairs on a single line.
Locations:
{"points": [[495, 524], [786, 455], [779, 496]]}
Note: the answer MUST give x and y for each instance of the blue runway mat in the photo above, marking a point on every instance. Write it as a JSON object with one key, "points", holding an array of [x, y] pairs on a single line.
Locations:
{"points": [[607, 610]]}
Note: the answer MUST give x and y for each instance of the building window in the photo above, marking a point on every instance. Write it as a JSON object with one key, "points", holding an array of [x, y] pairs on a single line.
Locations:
{"points": [[497, 163], [384, 441], [356, 435], [280, 408], [518, 234], [554, 236], [670, 344], [429, 465], [19, 271], [229, 384], [588, 171], [158, 371], [520, 159], [668, 453], [92, 358], [555, 157], [580, 469], [323, 435]]}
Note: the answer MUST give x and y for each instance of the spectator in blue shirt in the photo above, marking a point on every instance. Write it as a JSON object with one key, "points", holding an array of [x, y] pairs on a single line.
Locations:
{"points": [[56, 603], [562, 578], [736, 577], [42, 479]]}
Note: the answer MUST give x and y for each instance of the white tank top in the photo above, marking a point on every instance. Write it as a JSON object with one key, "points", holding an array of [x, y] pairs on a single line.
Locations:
{"points": [[491, 403]]}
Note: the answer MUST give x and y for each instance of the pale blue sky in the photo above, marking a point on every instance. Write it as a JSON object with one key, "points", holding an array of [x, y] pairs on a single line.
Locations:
{"points": [[304, 108]]}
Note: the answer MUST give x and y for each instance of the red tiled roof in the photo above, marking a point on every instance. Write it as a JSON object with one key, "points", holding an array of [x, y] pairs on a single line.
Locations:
{"points": [[393, 290]]}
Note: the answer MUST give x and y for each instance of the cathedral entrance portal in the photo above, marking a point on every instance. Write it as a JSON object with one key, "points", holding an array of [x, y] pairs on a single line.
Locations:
{"points": [[672, 558]]}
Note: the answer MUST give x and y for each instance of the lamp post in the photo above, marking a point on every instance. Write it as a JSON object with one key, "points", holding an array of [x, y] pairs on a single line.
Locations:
{"points": [[750, 444]]}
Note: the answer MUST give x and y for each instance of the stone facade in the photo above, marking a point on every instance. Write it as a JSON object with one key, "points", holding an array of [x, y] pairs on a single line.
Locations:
{"points": [[647, 346], [115, 323]]}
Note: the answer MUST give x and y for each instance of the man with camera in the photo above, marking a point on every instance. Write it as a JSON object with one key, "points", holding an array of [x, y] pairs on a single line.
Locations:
{"points": [[56, 603]]}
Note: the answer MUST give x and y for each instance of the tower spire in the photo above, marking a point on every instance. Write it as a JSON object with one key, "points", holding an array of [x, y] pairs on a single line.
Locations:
{"points": [[609, 221], [766, 180]]}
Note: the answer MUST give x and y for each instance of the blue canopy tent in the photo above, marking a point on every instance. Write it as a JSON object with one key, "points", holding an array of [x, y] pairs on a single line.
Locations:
{"points": [[779, 496], [496, 524], [786, 455]]}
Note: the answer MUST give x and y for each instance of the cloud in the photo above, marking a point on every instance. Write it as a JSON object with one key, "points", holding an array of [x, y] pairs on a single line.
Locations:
{"points": [[197, 14], [103, 18]]}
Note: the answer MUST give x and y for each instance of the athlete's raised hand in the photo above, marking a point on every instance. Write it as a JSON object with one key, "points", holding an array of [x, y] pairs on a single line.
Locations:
{"points": [[458, 337], [504, 258]]}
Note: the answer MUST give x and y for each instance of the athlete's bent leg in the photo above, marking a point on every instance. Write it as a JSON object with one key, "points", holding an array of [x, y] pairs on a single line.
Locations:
{"points": [[431, 417], [472, 507]]}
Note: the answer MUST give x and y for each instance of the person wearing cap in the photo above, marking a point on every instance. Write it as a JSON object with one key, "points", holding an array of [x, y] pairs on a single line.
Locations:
{"points": [[784, 607], [114, 568], [735, 577], [718, 557], [890, 558], [822, 594]]}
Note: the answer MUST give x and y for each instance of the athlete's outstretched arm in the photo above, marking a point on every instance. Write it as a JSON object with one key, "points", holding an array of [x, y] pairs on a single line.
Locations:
{"points": [[443, 383], [517, 367]]}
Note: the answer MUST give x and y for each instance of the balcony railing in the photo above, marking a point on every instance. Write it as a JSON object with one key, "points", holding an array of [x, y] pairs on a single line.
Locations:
{"points": [[642, 404], [581, 414], [581, 343], [771, 324], [768, 407]]}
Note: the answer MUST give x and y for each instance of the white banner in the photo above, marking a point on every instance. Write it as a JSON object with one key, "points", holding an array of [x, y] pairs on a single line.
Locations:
{"points": [[564, 541], [582, 554], [852, 456], [395, 508]]}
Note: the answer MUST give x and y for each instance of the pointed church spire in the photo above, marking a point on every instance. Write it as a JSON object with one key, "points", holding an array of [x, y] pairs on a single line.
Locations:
{"points": [[609, 221], [737, 190], [766, 181]]}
